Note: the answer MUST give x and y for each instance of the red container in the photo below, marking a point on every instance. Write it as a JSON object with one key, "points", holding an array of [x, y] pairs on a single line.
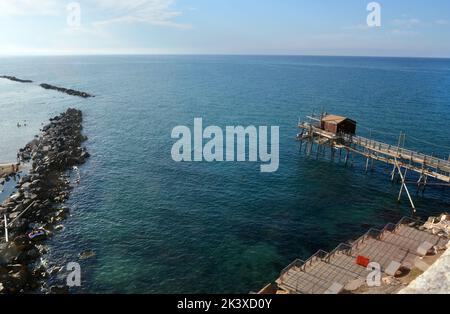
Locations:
{"points": [[362, 261]]}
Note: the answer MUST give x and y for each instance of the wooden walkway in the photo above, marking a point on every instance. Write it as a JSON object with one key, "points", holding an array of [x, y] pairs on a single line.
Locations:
{"points": [[415, 161], [7, 169], [402, 160], [394, 247]]}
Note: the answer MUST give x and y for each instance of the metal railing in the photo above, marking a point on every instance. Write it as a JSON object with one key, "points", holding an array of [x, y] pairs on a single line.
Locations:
{"points": [[341, 248], [319, 284], [318, 256], [402, 152], [372, 234], [395, 150], [297, 263], [411, 222]]}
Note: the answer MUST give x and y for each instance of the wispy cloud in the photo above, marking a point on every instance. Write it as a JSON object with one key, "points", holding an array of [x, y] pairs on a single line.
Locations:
{"points": [[442, 22], [406, 26], [358, 27], [407, 22], [154, 12], [29, 7]]}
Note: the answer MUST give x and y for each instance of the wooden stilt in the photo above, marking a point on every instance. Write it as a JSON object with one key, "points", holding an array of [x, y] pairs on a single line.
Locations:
{"points": [[6, 228], [419, 184], [404, 185], [393, 174], [402, 160], [425, 181], [318, 150], [310, 144]]}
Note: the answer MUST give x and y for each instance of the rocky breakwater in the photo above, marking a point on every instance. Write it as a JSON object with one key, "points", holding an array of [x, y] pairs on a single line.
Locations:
{"points": [[36, 207], [15, 79], [68, 91]]}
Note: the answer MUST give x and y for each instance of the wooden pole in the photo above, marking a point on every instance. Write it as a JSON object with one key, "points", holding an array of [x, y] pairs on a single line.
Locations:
{"points": [[393, 174], [419, 183], [405, 187], [403, 184], [6, 228], [21, 214], [311, 135], [399, 142], [318, 149], [424, 184]]}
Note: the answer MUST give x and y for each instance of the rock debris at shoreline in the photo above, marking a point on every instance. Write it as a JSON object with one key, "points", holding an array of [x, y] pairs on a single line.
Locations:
{"points": [[68, 91], [15, 79], [37, 206]]}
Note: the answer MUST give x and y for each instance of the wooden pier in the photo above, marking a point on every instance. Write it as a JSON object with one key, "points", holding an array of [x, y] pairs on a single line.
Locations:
{"points": [[9, 168], [337, 134]]}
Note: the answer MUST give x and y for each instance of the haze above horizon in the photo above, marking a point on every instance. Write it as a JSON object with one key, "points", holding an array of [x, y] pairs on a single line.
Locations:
{"points": [[413, 28]]}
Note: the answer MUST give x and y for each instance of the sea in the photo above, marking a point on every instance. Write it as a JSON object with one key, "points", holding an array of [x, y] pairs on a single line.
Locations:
{"points": [[160, 226]]}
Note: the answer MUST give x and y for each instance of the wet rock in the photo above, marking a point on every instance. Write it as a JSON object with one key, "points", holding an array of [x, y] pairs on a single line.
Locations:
{"points": [[86, 254], [61, 214], [60, 289], [71, 92], [17, 278], [13, 215], [25, 186], [40, 274], [22, 243], [16, 196], [15, 79], [59, 227], [54, 270], [33, 254], [41, 193]]}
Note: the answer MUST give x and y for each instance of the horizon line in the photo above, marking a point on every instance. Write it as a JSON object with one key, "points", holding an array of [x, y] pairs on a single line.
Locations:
{"points": [[217, 54]]}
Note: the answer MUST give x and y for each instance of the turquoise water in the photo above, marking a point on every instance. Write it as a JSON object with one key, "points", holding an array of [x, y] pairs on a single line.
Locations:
{"points": [[159, 226]]}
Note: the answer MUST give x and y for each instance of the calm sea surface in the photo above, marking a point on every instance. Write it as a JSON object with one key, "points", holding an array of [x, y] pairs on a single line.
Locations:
{"points": [[161, 226]]}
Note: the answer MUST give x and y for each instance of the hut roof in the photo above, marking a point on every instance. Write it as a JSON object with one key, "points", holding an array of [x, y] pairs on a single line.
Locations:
{"points": [[334, 118]]}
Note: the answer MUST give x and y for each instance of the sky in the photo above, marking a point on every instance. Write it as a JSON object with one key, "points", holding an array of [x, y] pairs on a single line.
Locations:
{"points": [[413, 28]]}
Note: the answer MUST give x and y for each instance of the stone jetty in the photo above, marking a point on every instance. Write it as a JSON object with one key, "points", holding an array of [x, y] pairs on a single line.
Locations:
{"points": [[15, 79], [67, 91], [71, 92], [35, 209]]}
